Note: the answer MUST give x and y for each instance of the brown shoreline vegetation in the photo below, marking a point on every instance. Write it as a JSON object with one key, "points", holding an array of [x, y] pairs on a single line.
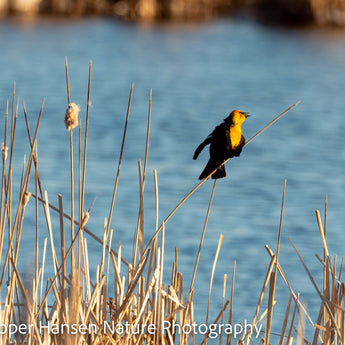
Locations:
{"points": [[131, 292], [301, 12]]}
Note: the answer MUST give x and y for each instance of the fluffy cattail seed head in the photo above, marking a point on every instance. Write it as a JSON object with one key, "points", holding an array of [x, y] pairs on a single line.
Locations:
{"points": [[71, 116]]}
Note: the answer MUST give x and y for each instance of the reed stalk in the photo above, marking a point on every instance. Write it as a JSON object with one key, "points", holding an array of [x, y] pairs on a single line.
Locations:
{"points": [[211, 280], [120, 160], [324, 300], [82, 182], [202, 237], [286, 318], [4, 150], [228, 338], [71, 171], [274, 275], [23, 191]]}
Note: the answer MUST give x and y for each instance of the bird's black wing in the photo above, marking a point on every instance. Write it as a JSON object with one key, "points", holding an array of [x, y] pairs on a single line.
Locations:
{"points": [[207, 141], [220, 142]]}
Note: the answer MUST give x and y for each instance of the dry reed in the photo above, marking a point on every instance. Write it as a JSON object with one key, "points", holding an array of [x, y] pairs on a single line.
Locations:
{"points": [[130, 291]]}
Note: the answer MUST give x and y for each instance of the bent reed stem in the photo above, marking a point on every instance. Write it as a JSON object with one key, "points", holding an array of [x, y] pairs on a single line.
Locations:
{"points": [[204, 180]]}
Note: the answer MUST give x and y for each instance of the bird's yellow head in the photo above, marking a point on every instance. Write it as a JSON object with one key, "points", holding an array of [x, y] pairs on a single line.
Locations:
{"points": [[237, 117]]}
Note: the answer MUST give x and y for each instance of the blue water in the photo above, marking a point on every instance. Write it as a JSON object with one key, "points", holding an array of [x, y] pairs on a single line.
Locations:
{"points": [[198, 74]]}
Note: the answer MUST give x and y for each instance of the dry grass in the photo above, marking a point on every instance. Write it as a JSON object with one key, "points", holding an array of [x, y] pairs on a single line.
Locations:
{"points": [[131, 292]]}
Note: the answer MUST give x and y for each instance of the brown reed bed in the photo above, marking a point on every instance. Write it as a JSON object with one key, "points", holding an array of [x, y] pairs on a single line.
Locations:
{"points": [[128, 302]]}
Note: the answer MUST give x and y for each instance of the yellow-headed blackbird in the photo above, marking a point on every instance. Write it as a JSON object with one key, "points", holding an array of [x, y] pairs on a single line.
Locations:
{"points": [[226, 142]]}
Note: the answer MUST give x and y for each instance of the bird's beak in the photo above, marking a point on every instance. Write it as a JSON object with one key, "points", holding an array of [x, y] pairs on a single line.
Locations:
{"points": [[246, 115]]}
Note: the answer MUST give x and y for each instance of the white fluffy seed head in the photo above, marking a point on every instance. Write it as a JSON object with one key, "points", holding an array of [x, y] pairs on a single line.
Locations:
{"points": [[71, 116]]}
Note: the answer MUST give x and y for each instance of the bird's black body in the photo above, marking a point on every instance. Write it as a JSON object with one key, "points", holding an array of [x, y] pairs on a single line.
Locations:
{"points": [[226, 141]]}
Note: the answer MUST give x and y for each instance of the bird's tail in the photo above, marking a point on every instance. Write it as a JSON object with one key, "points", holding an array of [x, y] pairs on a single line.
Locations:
{"points": [[210, 166], [201, 147]]}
